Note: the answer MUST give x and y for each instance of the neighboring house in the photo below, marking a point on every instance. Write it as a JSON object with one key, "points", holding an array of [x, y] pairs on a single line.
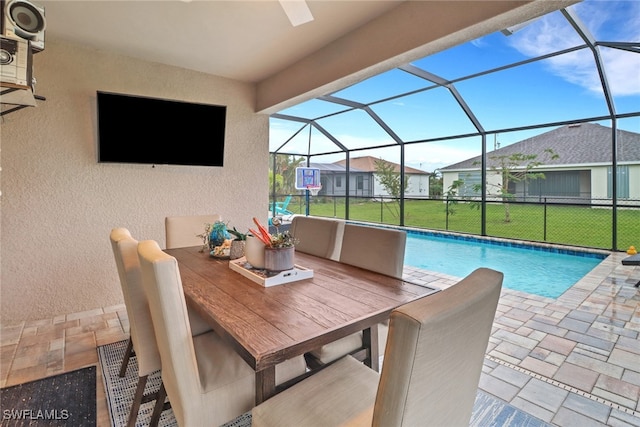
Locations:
{"points": [[362, 178], [581, 173]]}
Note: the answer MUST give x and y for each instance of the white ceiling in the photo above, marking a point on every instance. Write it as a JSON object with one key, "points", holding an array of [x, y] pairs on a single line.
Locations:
{"points": [[242, 40], [254, 41]]}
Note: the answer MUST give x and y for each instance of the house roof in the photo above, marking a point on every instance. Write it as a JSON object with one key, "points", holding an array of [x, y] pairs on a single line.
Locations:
{"points": [[332, 167], [368, 164], [585, 143]]}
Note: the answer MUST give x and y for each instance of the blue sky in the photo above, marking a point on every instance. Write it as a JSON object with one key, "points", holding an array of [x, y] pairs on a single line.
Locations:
{"points": [[565, 87]]}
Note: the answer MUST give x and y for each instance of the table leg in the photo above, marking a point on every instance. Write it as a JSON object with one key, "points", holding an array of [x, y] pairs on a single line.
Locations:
{"points": [[265, 384], [370, 342]]}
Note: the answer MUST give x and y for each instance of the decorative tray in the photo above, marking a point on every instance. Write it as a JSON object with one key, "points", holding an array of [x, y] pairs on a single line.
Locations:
{"points": [[269, 278]]}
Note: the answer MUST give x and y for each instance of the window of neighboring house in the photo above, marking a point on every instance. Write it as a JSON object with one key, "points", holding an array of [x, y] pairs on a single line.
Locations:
{"points": [[470, 180], [338, 181], [622, 183], [555, 184], [360, 182]]}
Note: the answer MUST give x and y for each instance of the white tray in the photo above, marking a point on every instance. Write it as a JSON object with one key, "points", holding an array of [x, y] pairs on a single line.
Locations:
{"points": [[266, 278]]}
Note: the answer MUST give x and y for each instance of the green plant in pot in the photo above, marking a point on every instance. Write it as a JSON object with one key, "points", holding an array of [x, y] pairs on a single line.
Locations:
{"points": [[279, 248], [238, 243]]}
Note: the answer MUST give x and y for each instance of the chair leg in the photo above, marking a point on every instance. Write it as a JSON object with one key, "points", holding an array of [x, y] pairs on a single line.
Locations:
{"points": [[159, 406], [137, 400], [125, 360]]}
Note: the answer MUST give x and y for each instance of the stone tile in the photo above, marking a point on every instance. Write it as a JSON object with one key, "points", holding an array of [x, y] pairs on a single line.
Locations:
{"points": [[582, 315], [625, 359], [80, 343], [576, 376], [619, 387], [612, 397], [498, 387], [595, 365], [539, 367], [546, 327], [604, 334], [11, 334], [569, 418], [516, 339], [590, 341], [543, 394], [518, 314], [587, 407], [512, 376], [628, 344], [619, 418], [557, 344], [512, 350], [532, 409], [540, 353], [589, 351], [555, 358], [574, 325], [631, 377]]}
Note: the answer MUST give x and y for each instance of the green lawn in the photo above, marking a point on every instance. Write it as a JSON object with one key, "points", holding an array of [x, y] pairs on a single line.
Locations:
{"points": [[572, 225]]}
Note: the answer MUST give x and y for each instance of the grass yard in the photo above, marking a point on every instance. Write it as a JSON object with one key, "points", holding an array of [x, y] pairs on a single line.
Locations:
{"points": [[571, 225]]}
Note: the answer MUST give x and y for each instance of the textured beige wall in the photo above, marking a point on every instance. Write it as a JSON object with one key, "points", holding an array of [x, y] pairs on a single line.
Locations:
{"points": [[59, 204]]}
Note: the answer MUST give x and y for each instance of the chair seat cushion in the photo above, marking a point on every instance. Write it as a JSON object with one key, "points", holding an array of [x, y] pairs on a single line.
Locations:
{"points": [[337, 395], [219, 364], [335, 350]]}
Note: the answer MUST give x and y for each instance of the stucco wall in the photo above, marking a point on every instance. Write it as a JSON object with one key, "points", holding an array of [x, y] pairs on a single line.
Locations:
{"points": [[59, 204]]}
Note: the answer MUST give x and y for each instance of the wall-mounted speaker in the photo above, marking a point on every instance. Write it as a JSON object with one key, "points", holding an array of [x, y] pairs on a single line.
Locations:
{"points": [[26, 20], [16, 63]]}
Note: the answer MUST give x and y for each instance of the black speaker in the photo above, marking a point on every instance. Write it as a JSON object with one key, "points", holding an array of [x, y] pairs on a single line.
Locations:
{"points": [[26, 20]]}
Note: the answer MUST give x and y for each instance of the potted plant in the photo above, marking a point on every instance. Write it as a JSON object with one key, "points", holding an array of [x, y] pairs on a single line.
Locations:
{"points": [[238, 244], [278, 248]]}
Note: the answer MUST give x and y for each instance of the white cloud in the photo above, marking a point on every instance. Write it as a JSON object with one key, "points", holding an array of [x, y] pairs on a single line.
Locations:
{"points": [[552, 33]]}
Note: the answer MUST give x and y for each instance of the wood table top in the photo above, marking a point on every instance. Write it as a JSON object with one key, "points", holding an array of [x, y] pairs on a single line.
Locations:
{"points": [[267, 325]]}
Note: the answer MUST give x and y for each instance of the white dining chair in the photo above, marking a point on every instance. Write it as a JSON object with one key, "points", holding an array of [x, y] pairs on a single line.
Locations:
{"points": [[207, 382], [182, 231], [142, 341], [318, 236], [430, 375], [371, 248]]}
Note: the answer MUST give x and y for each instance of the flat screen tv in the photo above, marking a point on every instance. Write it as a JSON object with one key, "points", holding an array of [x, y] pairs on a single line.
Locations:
{"points": [[137, 129]]}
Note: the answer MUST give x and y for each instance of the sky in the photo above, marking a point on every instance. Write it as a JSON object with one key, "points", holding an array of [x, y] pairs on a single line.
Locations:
{"points": [[564, 87]]}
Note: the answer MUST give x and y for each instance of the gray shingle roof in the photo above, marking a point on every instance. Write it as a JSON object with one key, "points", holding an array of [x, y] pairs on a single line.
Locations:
{"points": [[585, 143]]}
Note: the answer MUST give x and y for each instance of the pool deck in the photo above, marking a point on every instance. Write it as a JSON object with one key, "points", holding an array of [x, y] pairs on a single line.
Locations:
{"points": [[570, 361]]}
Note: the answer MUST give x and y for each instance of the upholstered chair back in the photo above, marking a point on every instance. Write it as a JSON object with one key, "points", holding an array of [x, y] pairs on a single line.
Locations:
{"points": [[435, 352], [317, 236], [162, 283], [374, 248], [182, 231], [125, 251]]}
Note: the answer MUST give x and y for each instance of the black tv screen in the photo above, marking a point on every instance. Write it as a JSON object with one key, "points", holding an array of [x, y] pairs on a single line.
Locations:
{"points": [[136, 129]]}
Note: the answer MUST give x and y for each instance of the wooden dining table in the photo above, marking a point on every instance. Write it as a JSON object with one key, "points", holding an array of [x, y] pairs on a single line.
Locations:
{"points": [[268, 325]]}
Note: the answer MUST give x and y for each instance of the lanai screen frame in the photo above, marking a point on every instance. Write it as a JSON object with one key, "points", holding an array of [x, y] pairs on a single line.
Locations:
{"points": [[589, 42]]}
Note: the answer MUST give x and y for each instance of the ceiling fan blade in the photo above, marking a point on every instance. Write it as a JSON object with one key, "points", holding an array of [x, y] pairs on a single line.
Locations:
{"points": [[297, 11]]}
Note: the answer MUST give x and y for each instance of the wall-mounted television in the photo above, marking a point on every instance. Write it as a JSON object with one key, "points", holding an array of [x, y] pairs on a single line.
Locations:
{"points": [[137, 129]]}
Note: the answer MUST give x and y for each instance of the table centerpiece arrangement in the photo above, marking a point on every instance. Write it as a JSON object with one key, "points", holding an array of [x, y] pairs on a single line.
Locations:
{"points": [[218, 241], [269, 259]]}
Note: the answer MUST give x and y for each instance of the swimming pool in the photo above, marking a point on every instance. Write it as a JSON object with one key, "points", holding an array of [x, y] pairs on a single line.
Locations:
{"points": [[537, 270]]}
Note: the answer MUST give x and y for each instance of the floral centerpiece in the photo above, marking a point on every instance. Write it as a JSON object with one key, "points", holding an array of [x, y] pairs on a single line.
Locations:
{"points": [[217, 240], [278, 249]]}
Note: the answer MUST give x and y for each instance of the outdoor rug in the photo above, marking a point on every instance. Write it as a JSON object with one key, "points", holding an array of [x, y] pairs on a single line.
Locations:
{"points": [[488, 411], [67, 399]]}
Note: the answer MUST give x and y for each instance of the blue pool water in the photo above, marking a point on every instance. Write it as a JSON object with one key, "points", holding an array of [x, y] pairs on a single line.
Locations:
{"points": [[542, 271]]}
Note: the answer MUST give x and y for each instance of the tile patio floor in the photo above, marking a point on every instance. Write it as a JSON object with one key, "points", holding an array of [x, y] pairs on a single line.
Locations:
{"points": [[573, 361]]}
